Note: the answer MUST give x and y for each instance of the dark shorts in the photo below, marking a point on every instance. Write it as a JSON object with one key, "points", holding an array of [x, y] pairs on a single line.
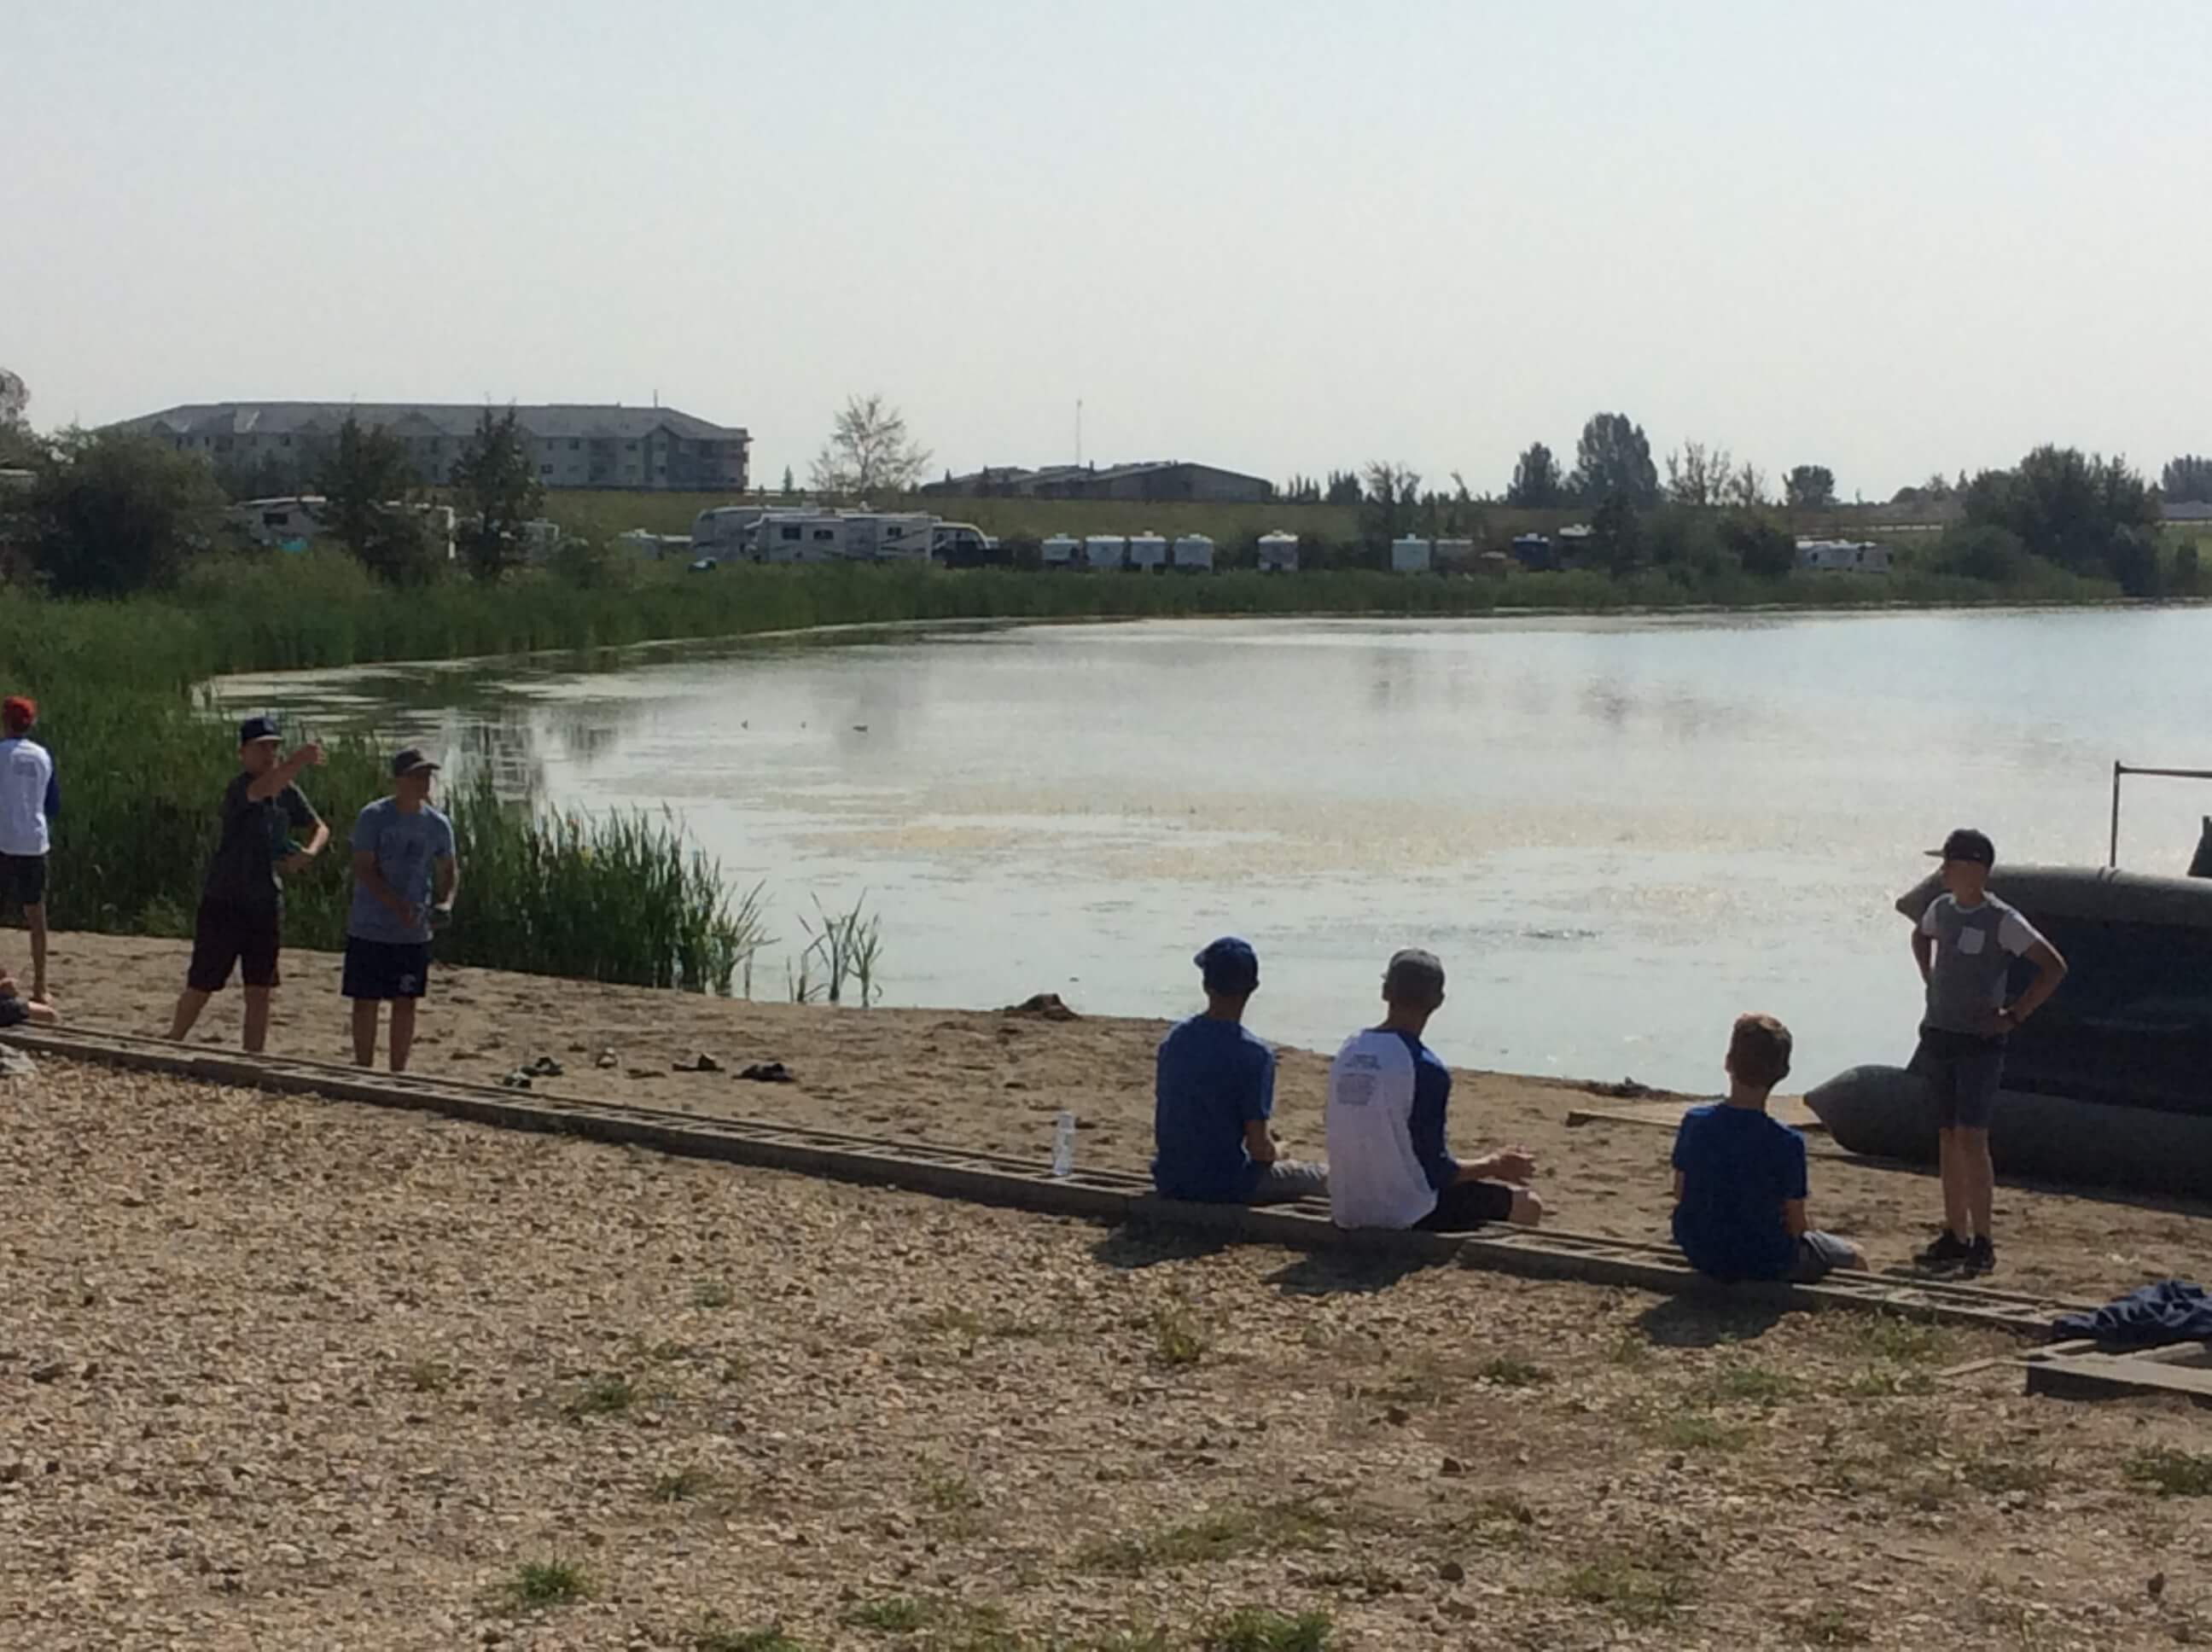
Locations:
{"points": [[1964, 1071], [1466, 1204], [13, 1012], [1819, 1255], [23, 879], [384, 969], [228, 936]]}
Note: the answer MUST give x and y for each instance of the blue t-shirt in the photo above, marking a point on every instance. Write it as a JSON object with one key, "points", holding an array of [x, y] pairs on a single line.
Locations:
{"points": [[406, 847], [1214, 1077], [1739, 1168]]}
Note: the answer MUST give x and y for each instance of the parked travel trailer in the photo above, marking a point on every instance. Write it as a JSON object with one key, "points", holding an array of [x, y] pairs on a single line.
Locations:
{"points": [[1193, 552], [797, 536], [1842, 557], [889, 536], [1059, 551], [1409, 555], [1148, 552], [286, 523], [1279, 552], [540, 540], [1104, 552], [725, 530], [1456, 555]]}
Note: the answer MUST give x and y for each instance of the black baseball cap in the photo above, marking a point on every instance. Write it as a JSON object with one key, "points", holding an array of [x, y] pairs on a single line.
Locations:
{"points": [[1413, 976], [411, 761], [1967, 844], [1228, 965], [254, 730]]}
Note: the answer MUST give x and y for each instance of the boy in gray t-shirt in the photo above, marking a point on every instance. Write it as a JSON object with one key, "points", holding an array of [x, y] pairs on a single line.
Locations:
{"points": [[1964, 939]]}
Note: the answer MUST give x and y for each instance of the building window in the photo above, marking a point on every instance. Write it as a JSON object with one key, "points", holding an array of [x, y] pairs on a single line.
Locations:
{"points": [[574, 446], [630, 447], [825, 534], [787, 533], [545, 469]]}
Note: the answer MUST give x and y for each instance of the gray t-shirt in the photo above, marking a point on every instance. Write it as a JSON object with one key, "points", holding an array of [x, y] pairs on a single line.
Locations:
{"points": [[1974, 949], [407, 847]]}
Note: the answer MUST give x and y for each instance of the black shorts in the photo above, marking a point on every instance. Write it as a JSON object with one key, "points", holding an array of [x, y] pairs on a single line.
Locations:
{"points": [[13, 1012], [1963, 1072], [1466, 1204], [384, 969], [224, 936], [23, 879]]}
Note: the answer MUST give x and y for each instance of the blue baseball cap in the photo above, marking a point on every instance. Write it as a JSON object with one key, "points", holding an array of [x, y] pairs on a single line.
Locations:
{"points": [[255, 729], [1228, 965]]}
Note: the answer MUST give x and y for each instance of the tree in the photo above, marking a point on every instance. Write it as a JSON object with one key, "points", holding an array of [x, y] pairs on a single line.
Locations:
{"points": [[497, 490], [2095, 516], [1343, 488], [1810, 488], [2188, 477], [17, 445], [1537, 484], [1745, 487], [790, 487], [869, 451], [1697, 475], [366, 481], [110, 513], [1614, 457], [1762, 548], [1386, 511], [1616, 538]]}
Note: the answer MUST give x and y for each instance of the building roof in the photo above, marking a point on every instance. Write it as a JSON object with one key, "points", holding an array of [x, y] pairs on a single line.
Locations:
{"points": [[543, 420], [1051, 475]]}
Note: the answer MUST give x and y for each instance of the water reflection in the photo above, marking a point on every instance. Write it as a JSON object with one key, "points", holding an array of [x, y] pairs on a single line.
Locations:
{"points": [[1620, 832]]}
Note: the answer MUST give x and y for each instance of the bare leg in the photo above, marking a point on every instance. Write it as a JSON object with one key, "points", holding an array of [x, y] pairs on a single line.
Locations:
{"points": [[364, 1031], [403, 1031], [1978, 1173], [1952, 1160], [1528, 1210], [44, 1015], [256, 1019], [189, 1005], [35, 920]]}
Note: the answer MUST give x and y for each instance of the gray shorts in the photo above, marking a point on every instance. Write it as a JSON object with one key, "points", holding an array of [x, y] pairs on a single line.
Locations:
{"points": [[1819, 1255], [1287, 1181], [1964, 1071]]}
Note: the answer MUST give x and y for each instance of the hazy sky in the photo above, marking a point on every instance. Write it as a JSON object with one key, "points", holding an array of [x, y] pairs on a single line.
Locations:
{"points": [[1279, 237]]}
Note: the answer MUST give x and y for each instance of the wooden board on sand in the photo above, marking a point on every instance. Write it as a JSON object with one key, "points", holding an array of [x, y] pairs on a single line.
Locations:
{"points": [[1667, 1114]]}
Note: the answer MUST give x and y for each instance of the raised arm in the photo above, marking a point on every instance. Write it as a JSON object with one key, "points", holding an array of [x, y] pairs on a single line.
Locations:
{"points": [[267, 785]]}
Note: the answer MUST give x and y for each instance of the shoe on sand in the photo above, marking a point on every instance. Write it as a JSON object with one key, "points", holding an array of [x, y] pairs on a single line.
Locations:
{"points": [[1948, 1251]]}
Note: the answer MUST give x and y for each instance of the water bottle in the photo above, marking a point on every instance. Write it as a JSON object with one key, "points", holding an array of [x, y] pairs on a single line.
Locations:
{"points": [[1063, 1145]]}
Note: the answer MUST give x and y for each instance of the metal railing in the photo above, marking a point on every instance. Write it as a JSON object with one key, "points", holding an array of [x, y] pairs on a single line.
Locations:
{"points": [[2113, 854]]}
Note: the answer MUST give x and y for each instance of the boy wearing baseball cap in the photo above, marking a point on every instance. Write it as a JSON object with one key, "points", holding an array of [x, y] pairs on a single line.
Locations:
{"points": [[404, 876], [1214, 1094], [242, 916], [1963, 942], [29, 799], [1388, 1094]]}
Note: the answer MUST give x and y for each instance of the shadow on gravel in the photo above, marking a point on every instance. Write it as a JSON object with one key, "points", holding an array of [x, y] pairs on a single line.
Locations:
{"points": [[1706, 1322], [1136, 1246], [1325, 1273]]}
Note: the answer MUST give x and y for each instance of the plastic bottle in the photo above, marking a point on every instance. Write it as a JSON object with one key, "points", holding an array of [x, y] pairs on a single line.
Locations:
{"points": [[1063, 1145]]}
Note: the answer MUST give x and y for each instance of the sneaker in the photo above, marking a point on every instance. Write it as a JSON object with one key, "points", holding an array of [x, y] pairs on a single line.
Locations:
{"points": [[1948, 1250], [1981, 1257]]}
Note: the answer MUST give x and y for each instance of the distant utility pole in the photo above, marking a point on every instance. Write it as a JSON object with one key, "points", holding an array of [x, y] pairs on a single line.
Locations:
{"points": [[1079, 430]]}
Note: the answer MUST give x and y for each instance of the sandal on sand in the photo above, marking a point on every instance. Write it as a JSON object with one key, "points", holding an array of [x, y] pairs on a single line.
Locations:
{"points": [[767, 1072]]}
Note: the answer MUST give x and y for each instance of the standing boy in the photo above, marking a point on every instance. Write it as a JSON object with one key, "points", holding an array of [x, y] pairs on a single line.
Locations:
{"points": [[1214, 1093], [30, 797], [1964, 943], [1740, 1176], [242, 916], [1388, 1093], [404, 875]]}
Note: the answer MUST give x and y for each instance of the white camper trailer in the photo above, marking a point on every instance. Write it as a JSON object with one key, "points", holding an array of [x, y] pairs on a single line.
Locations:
{"points": [[1279, 552], [286, 523], [1409, 555], [888, 537], [1059, 551], [1148, 552], [1103, 552], [639, 544], [798, 537], [1192, 553], [726, 531], [1842, 557], [1455, 555]]}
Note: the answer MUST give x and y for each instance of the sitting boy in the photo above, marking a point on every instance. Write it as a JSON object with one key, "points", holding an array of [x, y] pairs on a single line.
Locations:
{"points": [[15, 1010], [1740, 1176], [1215, 1094]]}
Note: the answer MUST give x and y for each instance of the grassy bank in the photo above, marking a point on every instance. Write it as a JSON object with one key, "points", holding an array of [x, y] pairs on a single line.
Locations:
{"points": [[614, 899]]}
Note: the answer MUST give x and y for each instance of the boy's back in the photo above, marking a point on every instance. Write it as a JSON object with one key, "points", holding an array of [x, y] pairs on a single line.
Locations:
{"points": [[1738, 1169]]}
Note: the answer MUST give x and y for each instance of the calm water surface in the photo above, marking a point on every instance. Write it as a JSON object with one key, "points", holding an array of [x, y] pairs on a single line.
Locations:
{"points": [[1616, 833]]}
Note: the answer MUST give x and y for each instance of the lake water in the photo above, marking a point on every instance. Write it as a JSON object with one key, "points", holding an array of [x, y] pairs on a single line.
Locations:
{"points": [[1617, 833]]}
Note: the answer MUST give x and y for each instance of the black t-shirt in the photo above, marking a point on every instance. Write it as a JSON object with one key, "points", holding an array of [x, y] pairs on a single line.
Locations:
{"points": [[256, 836]]}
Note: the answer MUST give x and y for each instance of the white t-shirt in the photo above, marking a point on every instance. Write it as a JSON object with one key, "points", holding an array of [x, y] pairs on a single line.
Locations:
{"points": [[1375, 1178], [26, 767]]}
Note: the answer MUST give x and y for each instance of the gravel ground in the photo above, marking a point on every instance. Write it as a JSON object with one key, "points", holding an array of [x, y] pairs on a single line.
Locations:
{"points": [[284, 1374]]}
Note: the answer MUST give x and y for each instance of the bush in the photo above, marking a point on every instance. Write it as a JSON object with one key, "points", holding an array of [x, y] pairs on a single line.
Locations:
{"points": [[1979, 551], [1765, 550], [110, 514]]}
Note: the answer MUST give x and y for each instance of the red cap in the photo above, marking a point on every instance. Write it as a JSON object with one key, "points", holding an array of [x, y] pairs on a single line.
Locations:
{"points": [[18, 713]]}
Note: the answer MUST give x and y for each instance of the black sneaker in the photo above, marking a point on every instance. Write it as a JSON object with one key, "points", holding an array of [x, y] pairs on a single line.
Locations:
{"points": [[1981, 1257], [1948, 1251]]}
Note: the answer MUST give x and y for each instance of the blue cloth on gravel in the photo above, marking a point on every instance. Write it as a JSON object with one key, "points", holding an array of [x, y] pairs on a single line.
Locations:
{"points": [[2157, 1315]]}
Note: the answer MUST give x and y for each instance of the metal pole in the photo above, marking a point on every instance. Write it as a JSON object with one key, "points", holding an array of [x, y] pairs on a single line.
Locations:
{"points": [[2112, 855]]}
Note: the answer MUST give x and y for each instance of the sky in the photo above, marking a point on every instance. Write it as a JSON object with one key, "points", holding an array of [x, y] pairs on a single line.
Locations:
{"points": [[1281, 237]]}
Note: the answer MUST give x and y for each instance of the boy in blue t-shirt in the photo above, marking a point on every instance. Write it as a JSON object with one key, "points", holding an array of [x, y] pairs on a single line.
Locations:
{"points": [[1214, 1094], [1740, 1176]]}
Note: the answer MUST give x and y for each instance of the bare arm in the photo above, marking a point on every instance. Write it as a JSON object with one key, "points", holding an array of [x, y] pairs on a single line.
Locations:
{"points": [[446, 880], [1793, 1217], [1260, 1143], [267, 785], [1514, 1165], [304, 858], [1678, 1187], [1923, 954], [2050, 970]]}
